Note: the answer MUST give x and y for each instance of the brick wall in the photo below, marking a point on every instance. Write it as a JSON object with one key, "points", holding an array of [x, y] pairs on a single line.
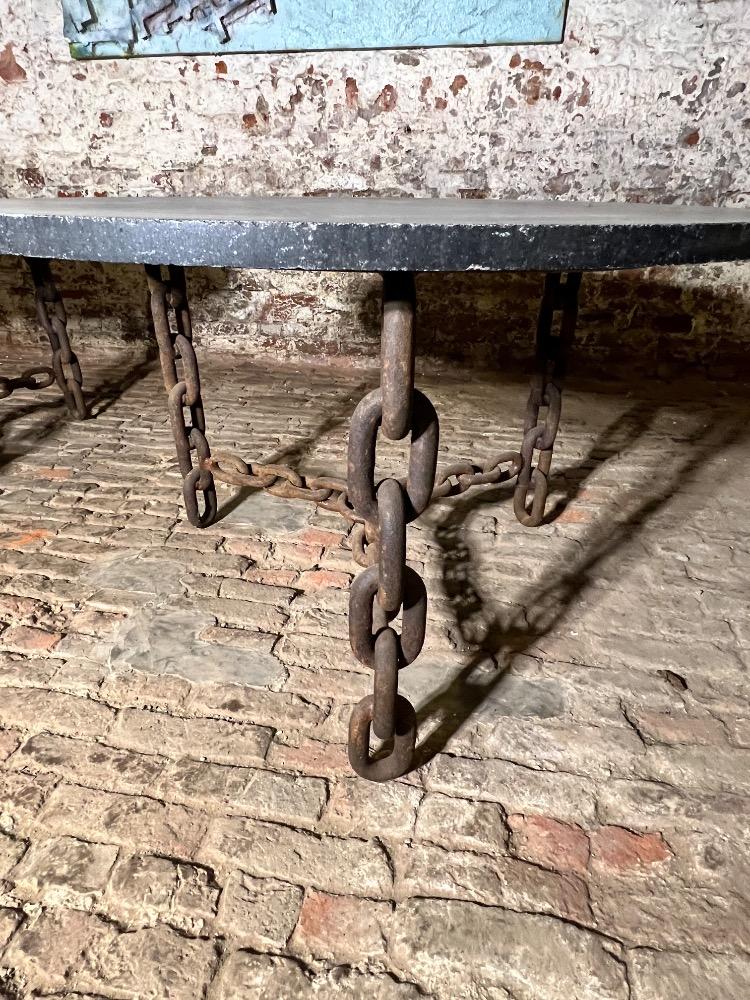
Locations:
{"points": [[643, 102]]}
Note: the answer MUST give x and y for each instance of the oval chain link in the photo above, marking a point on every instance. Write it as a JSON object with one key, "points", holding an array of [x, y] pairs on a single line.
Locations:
{"points": [[32, 378], [552, 352], [53, 319], [182, 383], [389, 587]]}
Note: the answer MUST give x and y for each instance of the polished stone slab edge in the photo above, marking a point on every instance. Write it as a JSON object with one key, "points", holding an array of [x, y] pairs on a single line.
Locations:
{"points": [[351, 246]]}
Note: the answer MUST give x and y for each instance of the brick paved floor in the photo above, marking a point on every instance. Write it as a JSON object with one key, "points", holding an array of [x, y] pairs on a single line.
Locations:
{"points": [[177, 815]]}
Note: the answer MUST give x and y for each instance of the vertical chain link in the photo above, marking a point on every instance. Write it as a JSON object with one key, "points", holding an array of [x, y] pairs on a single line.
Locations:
{"points": [[184, 390], [389, 587], [552, 350], [53, 318]]}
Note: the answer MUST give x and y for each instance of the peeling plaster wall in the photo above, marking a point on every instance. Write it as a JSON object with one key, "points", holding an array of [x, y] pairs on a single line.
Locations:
{"points": [[644, 101]]}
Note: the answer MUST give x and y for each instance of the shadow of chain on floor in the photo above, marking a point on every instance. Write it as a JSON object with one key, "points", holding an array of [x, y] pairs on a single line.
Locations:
{"points": [[493, 637]]}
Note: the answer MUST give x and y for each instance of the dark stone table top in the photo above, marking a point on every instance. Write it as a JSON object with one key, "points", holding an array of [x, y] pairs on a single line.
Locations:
{"points": [[373, 234]]}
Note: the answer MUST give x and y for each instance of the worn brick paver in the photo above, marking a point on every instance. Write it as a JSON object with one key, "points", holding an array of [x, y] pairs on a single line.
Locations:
{"points": [[177, 815]]}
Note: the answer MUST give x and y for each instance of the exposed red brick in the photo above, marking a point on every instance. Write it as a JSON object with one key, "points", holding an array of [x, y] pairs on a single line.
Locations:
{"points": [[10, 71], [221, 67], [310, 757], [623, 849], [549, 842], [13, 608], [32, 178], [302, 556], [29, 640], [320, 536], [660, 727], [89, 621], [387, 98], [595, 494], [574, 515], [352, 93], [282, 307], [252, 548], [341, 927], [56, 473], [25, 539], [271, 577], [459, 82], [321, 579]]}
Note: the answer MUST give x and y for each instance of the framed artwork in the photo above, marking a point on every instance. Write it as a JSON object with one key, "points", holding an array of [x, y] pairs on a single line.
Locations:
{"points": [[100, 29]]}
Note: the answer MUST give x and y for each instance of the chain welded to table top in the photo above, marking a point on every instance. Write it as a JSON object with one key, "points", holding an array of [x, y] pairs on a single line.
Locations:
{"points": [[373, 234]]}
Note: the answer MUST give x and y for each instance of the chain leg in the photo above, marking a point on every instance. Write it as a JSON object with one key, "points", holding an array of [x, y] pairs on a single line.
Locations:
{"points": [[53, 318], [183, 388], [389, 586], [552, 350]]}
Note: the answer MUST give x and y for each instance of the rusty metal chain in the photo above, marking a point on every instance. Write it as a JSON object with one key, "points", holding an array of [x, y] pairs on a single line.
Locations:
{"points": [[389, 587], [461, 476], [282, 481], [393, 408], [332, 494], [27, 380], [183, 386], [552, 351], [378, 511], [53, 318]]}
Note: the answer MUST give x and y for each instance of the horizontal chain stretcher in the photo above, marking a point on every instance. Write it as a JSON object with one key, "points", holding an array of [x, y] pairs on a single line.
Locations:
{"points": [[333, 494]]}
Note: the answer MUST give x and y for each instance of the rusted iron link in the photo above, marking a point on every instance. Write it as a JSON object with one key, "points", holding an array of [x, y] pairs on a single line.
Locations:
{"points": [[392, 542], [466, 474], [332, 494], [422, 456], [389, 587], [397, 354], [552, 352], [32, 378], [282, 481], [54, 321], [182, 383], [400, 758], [367, 617]]}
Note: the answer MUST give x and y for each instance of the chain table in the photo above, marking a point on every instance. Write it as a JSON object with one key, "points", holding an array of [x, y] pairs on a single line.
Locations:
{"points": [[398, 238]]}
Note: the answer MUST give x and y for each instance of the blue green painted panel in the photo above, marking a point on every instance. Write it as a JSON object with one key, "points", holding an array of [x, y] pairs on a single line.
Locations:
{"points": [[106, 28]]}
